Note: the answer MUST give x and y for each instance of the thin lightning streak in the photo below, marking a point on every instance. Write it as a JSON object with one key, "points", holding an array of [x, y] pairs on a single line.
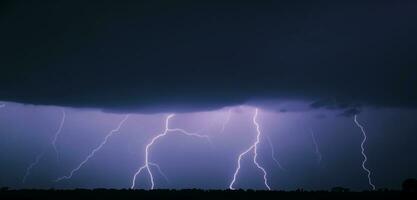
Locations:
{"points": [[33, 164], [147, 164], [363, 153], [238, 167], [160, 171], [229, 113], [189, 133], [253, 147], [273, 153], [94, 151], [316, 147], [39, 156], [192, 134], [58, 132]]}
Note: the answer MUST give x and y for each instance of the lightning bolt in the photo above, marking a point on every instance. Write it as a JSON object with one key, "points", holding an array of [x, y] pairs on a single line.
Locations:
{"points": [[94, 151], [32, 165], [226, 121], [316, 147], [144, 167], [254, 148], [273, 154], [147, 164], [39, 156], [160, 171], [363, 152], [57, 133]]}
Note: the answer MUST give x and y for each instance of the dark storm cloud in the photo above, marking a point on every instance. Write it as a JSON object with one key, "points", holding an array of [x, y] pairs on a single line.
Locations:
{"points": [[347, 109], [350, 112], [187, 56]]}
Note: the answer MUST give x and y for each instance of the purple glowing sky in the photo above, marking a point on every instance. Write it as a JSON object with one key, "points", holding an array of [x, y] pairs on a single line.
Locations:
{"points": [[192, 162]]}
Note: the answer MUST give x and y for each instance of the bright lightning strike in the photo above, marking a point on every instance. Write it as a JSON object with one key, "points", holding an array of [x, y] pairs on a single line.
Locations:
{"points": [[157, 167], [273, 154], [316, 147], [363, 153], [253, 147], [94, 151], [147, 164], [58, 132]]}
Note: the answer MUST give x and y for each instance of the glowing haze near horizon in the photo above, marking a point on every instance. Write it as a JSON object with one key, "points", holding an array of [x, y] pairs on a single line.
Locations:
{"points": [[190, 162]]}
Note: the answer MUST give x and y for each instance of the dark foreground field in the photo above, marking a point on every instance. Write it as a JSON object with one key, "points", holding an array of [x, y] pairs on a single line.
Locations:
{"points": [[103, 194]]}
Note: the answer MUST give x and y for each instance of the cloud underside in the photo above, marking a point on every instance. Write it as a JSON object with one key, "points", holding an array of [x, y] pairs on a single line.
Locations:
{"points": [[186, 57]]}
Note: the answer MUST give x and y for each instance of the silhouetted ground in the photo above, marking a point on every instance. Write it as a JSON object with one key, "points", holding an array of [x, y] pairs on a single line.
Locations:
{"points": [[104, 194]]}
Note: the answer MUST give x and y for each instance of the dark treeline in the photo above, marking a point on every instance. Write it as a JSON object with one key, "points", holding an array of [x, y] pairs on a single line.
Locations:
{"points": [[103, 194], [409, 191]]}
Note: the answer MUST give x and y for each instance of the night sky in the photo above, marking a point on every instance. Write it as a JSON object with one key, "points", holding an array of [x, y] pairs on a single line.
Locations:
{"points": [[72, 72]]}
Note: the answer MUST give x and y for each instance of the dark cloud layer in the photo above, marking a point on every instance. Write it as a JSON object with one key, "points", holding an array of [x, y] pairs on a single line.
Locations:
{"points": [[181, 56]]}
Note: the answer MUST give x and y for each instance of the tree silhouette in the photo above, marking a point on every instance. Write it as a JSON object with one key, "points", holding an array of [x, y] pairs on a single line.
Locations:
{"points": [[410, 185]]}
